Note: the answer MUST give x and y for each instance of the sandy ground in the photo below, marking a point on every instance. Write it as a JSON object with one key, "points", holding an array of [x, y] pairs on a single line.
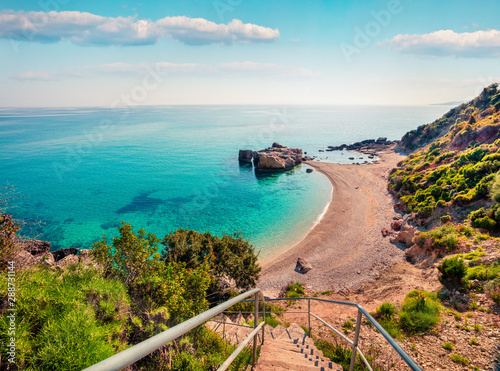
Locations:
{"points": [[346, 248]]}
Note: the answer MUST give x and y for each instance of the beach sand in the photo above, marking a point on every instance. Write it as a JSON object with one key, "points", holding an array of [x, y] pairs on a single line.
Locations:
{"points": [[346, 248]]}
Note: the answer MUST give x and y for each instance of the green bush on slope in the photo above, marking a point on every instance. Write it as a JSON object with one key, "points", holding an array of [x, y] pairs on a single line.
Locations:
{"points": [[70, 319]]}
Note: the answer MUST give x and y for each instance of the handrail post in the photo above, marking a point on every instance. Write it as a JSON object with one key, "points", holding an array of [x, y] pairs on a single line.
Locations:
{"points": [[263, 318], [355, 342], [309, 316], [255, 323]]}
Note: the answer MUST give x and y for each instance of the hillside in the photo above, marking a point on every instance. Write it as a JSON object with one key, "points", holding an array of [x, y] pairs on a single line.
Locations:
{"points": [[453, 165]]}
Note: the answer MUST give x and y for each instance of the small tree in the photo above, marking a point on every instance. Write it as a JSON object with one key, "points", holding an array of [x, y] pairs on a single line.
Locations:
{"points": [[229, 256], [131, 256], [453, 271]]}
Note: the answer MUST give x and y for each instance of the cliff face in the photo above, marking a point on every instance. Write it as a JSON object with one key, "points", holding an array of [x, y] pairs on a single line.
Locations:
{"points": [[454, 161]]}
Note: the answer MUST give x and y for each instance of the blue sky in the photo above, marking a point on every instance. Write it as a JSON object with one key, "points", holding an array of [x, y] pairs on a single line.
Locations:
{"points": [[105, 53]]}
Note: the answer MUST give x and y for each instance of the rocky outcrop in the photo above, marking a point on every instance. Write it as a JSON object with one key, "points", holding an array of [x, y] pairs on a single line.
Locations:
{"points": [[245, 155], [366, 145], [303, 266], [36, 247], [275, 158], [62, 253]]}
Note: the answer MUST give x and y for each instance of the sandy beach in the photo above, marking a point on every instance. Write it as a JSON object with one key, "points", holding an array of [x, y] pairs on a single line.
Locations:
{"points": [[346, 248]]}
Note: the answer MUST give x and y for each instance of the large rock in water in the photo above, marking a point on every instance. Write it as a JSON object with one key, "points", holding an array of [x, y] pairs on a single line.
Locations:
{"points": [[277, 158], [245, 155]]}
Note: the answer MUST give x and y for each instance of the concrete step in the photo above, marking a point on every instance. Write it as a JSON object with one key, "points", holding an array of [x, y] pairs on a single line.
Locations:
{"points": [[291, 349]]}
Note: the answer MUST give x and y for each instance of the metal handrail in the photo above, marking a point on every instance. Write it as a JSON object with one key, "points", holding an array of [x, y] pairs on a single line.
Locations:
{"points": [[141, 350], [133, 354], [361, 311]]}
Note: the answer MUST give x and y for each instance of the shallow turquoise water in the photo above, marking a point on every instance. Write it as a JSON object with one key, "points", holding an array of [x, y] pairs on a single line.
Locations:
{"points": [[83, 171]]}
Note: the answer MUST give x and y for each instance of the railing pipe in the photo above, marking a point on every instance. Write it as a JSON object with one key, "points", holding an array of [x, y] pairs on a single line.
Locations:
{"points": [[309, 317], [356, 339], [133, 354], [238, 350], [255, 323]]}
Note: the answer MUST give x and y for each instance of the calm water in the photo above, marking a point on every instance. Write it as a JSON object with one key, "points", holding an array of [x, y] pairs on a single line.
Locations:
{"points": [[83, 171]]}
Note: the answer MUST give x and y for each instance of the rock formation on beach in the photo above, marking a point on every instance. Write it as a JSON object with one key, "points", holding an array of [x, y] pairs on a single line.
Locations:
{"points": [[275, 158]]}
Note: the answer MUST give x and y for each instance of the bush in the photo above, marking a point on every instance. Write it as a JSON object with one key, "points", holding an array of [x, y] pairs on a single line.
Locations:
{"points": [[295, 290], [453, 271], [8, 239], [493, 290], [457, 358], [228, 257], [65, 322], [448, 346], [386, 311], [495, 188], [420, 311], [483, 272], [340, 355]]}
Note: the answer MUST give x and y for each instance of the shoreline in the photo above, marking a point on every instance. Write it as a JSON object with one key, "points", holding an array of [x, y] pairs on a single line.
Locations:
{"points": [[344, 246]]}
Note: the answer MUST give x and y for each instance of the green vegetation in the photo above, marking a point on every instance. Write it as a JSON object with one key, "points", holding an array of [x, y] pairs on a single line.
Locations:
{"points": [[419, 312], [348, 325], [457, 358], [453, 271], [448, 346], [483, 272], [8, 247], [341, 355], [453, 175], [78, 316], [71, 319], [295, 290], [493, 290], [227, 257], [385, 315]]}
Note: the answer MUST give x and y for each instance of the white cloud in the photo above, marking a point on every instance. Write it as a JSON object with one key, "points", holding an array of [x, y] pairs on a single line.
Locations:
{"points": [[34, 76], [89, 29], [478, 44], [249, 69]]}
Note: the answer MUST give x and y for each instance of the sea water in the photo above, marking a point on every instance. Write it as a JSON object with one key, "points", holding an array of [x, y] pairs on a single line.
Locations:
{"points": [[80, 172]]}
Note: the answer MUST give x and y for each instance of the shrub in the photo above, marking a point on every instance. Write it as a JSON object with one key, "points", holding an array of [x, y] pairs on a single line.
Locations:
{"points": [[64, 326], [348, 325], [295, 290], [457, 358], [495, 188], [8, 245], [493, 290], [453, 271], [130, 257], [340, 355], [420, 311], [386, 311], [448, 346], [228, 257], [483, 272]]}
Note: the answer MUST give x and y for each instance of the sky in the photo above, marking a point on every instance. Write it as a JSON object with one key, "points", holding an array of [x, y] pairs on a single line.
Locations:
{"points": [[70, 53]]}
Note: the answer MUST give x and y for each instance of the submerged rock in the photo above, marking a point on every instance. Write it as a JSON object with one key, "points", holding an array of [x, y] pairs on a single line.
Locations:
{"points": [[309, 170]]}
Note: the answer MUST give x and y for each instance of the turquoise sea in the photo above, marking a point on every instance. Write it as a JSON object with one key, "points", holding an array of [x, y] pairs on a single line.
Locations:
{"points": [[81, 171]]}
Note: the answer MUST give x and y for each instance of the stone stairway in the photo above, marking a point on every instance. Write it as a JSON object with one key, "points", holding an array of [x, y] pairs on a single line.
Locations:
{"points": [[284, 348]]}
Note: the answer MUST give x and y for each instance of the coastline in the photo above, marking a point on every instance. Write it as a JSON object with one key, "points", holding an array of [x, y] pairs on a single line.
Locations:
{"points": [[345, 246]]}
